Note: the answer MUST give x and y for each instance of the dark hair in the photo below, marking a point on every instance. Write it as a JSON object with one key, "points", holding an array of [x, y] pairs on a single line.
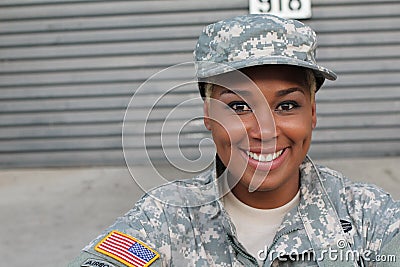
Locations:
{"points": [[219, 166], [202, 88]]}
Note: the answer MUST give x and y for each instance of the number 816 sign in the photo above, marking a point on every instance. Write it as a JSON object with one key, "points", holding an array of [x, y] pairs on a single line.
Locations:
{"points": [[293, 9]]}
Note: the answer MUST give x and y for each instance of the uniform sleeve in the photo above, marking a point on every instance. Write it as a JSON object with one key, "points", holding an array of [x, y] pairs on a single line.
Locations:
{"points": [[384, 213], [390, 254], [375, 215], [86, 259], [143, 224], [390, 247]]}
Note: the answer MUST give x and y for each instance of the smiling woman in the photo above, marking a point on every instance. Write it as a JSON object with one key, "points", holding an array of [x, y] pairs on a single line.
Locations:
{"points": [[273, 134], [264, 202]]}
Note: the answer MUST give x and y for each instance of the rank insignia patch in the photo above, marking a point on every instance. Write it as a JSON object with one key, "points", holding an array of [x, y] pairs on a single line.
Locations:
{"points": [[126, 249], [346, 225]]}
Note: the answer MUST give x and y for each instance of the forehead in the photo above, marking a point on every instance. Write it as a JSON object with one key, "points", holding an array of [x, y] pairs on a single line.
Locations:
{"points": [[264, 77]]}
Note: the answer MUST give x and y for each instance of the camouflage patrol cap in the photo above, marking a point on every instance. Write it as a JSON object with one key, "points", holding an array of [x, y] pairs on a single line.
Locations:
{"points": [[258, 39]]}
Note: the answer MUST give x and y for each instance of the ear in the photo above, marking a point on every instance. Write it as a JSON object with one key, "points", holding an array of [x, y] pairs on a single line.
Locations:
{"points": [[314, 115], [206, 119]]}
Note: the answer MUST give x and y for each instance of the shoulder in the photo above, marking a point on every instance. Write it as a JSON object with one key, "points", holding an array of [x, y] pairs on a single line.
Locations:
{"points": [[149, 221], [114, 247], [367, 205], [151, 213], [191, 192], [367, 193]]}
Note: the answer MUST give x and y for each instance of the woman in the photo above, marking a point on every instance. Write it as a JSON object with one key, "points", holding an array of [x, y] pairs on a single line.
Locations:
{"points": [[264, 203]]}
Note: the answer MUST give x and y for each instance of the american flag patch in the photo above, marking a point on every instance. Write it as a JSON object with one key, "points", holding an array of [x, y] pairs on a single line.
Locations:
{"points": [[126, 249]]}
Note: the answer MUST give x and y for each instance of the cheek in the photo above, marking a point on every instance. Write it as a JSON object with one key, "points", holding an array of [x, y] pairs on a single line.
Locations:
{"points": [[296, 128], [222, 142], [228, 135], [226, 126], [219, 134], [229, 130]]}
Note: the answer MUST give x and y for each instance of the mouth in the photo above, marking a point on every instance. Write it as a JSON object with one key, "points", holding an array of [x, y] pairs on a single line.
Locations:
{"points": [[265, 157]]}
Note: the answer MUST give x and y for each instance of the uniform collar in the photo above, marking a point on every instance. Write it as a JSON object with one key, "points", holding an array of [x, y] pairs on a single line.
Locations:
{"points": [[316, 210], [320, 218]]}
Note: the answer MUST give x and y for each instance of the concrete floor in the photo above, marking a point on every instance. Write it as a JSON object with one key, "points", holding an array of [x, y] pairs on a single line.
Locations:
{"points": [[48, 215]]}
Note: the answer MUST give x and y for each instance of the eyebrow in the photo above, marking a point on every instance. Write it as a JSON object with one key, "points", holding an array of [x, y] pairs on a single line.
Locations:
{"points": [[236, 92], [289, 91], [277, 94]]}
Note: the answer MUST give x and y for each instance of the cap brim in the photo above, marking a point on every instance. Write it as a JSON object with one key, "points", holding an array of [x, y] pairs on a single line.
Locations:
{"points": [[209, 69]]}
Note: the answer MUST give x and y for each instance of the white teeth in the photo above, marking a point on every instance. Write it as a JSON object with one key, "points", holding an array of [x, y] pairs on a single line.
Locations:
{"points": [[264, 157], [256, 157]]}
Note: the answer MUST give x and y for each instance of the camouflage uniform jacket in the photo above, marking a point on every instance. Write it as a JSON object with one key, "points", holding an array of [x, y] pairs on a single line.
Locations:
{"points": [[334, 217]]}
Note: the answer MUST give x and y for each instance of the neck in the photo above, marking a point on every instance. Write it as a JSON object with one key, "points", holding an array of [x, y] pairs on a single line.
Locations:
{"points": [[268, 199]]}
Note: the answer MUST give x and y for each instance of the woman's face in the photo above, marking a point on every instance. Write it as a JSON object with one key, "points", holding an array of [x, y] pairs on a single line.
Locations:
{"points": [[262, 132]]}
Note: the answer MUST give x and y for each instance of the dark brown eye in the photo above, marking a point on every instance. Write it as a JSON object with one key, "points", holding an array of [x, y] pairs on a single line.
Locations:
{"points": [[239, 107], [287, 106]]}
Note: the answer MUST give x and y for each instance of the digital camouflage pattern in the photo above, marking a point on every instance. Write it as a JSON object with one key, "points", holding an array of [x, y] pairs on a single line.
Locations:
{"points": [[334, 214], [257, 39], [185, 221]]}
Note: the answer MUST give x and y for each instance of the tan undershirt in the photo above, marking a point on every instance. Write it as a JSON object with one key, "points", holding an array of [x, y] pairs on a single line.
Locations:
{"points": [[256, 228]]}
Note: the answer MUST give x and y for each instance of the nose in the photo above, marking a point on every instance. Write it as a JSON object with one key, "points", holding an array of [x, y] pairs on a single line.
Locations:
{"points": [[262, 126]]}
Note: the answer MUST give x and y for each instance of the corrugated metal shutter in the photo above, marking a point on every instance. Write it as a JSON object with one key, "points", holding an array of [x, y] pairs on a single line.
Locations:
{"points": [[69, 68], [359, 114]]}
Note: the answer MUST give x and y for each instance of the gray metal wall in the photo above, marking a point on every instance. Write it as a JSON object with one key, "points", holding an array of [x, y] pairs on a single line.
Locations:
{"points": [[69, 68]]}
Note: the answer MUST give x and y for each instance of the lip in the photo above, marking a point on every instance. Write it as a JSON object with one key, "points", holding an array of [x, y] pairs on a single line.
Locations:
{"points": [[266, 166]]}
